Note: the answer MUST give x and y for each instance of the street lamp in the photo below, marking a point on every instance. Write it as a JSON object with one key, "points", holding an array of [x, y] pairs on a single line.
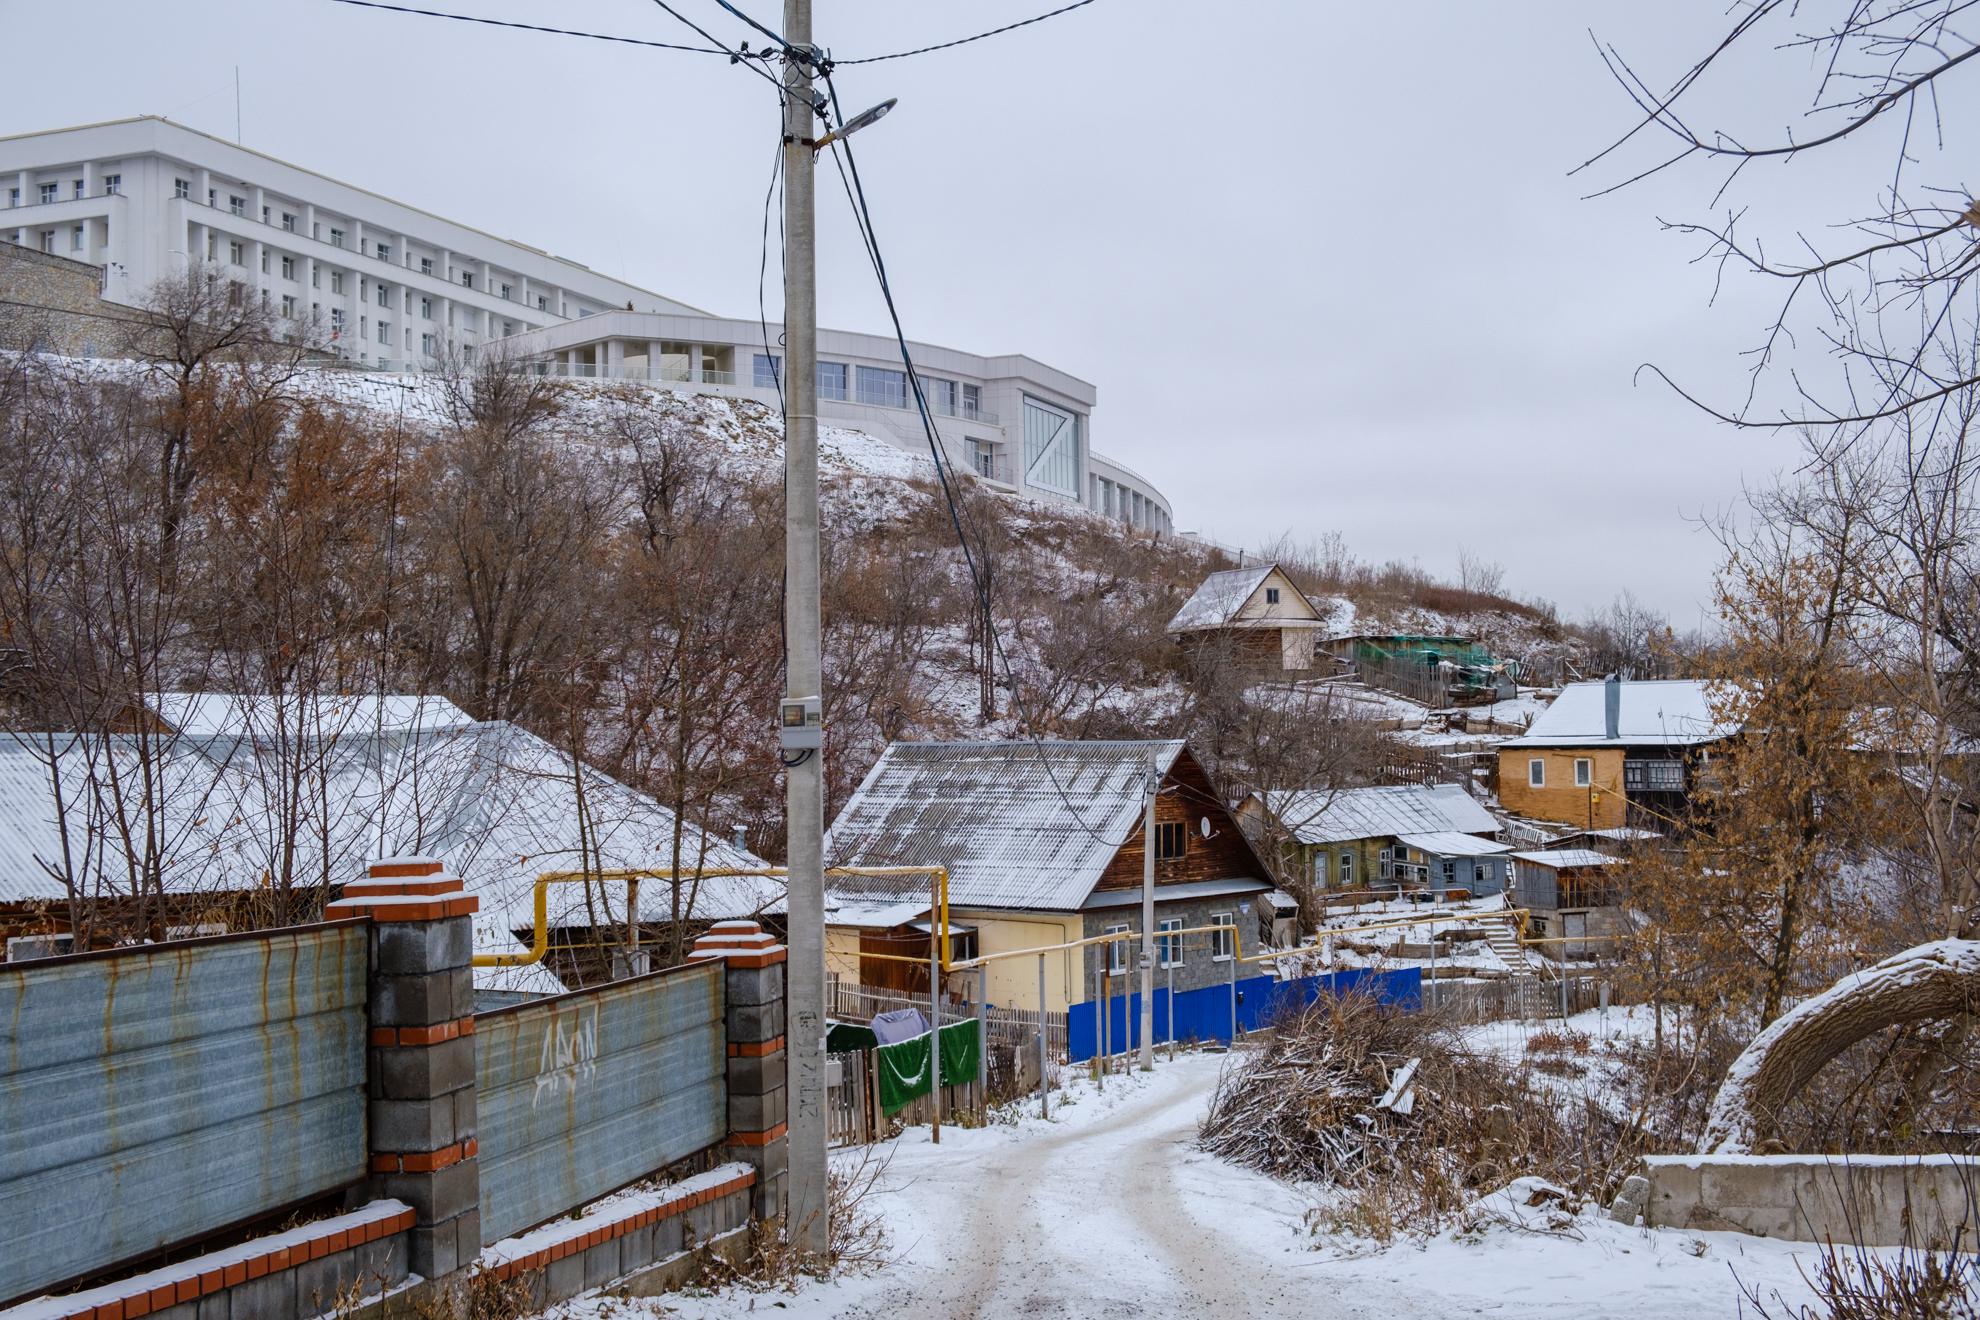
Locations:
{"points": [[861, 120]]}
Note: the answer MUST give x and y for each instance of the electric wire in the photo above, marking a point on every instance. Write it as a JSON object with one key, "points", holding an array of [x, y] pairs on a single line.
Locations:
{"points": [[533, 27], [964, 41]]}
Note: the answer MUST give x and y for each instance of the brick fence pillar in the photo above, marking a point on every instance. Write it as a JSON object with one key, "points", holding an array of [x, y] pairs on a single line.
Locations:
{"points": [[420, 1064], [754, 993]]}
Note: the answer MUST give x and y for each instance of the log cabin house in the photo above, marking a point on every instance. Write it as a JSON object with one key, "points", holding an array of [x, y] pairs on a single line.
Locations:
{"points": [[1043, 844]]}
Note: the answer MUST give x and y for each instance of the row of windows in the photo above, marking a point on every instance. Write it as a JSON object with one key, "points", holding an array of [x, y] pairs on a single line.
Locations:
{"points": [[1584, 772], [113, 185], [886, 387], [1169, 947]]}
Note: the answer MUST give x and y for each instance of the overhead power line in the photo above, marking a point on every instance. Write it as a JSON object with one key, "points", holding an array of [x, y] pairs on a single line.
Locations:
{"points": [[534, 27], [964, 41]]}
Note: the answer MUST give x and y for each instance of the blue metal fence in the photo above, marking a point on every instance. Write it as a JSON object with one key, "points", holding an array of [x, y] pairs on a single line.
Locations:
{"points": [[1206, 1014], [583, 1093], [151, 1095]]}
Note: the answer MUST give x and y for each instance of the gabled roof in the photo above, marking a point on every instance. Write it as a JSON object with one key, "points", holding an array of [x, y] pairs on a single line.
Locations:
{"points": [[1449, 843], [204, 714], [1314, 816], [1019, 824], [1663, 712], [1221, 599]]}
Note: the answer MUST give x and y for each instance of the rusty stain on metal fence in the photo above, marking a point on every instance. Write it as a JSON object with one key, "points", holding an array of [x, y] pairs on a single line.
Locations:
{"points": [[580, 1094], [157, 1093]]}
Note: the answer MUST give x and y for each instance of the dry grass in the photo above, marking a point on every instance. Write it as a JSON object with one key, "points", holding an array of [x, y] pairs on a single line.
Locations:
{"points": [[1308, 1107], [1853, 1283], [856, 1241]]}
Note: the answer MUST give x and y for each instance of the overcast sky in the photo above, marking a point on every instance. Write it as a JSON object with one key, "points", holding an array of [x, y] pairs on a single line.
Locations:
{"points": [[1323, 262]]}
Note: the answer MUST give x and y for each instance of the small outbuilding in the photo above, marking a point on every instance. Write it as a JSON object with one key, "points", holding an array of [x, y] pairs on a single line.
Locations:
{"points": [[1253, 620]]}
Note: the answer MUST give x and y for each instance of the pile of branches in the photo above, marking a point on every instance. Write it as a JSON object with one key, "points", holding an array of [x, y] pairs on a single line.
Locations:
{"points": [[1392, 1111]]}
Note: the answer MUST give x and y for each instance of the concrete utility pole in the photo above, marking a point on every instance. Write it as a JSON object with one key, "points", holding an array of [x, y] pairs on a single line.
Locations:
{"points": [[1148, 918], [805, 781]]}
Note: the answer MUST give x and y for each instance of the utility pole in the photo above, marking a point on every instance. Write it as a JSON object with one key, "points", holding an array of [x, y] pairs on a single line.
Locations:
{"points": [[802, 714], [1148, 918]]}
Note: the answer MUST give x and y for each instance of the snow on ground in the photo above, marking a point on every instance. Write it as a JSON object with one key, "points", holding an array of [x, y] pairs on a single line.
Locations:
{"points": [[1109, 1209]]}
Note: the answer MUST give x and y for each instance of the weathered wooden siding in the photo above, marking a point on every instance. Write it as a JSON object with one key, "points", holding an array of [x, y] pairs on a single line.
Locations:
{"points": [[1562, 799], [1225, 855], [155, 1094], [586, 1092]]}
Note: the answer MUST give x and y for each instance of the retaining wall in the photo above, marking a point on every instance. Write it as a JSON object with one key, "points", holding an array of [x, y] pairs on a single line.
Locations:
{"points": [[1872, 1200]]}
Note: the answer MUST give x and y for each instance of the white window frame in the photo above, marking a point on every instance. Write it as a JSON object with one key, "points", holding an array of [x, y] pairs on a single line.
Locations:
{"points": [[1271, 595], [1536, 772], [1169, 948], [113, 185], [49, 940], [1344, 870], [1117, 950], [1584, 771], [1224, 941], [182, 189]]}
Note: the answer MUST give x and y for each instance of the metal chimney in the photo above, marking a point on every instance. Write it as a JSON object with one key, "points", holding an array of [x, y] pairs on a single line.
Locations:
{"points": [[1612, 707]]}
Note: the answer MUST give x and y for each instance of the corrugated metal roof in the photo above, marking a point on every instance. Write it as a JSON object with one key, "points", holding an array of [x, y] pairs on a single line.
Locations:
{"points": [[1019, 824], [1219, 598], [1378, 813], [1449, 843], [210, 714], [496, 803], [1668, 712], [1561, 858]]}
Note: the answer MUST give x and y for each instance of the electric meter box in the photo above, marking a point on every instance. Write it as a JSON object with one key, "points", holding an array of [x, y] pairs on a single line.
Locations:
{"points": [[801, 724]]}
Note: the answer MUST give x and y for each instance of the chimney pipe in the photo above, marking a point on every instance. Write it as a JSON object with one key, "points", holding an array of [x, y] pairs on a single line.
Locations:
{"points": [[1612, 707]]}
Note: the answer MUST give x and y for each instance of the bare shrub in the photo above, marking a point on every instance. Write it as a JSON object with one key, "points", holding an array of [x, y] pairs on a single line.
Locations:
{"points": [[856, 1240], [1852, 1282]]}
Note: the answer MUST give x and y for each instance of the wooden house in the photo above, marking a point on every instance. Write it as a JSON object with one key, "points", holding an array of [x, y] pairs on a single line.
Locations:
{"points": [[1571, 895], [1254, 621], [1433, 837], [1614, 753], [1043, 842]]}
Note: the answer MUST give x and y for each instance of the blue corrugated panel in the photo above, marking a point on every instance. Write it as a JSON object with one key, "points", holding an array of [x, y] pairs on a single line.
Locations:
{"points": [[582, 1094], [155, 1094], [1206, 1014]]}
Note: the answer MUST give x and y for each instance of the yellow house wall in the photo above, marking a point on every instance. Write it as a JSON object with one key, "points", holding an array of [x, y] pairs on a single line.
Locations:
{"points": [[1562, 799], [1014, 981], [842, 953]]}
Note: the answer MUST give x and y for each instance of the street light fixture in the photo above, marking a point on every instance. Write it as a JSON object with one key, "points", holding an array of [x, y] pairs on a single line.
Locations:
{"points": [[857, 122]]}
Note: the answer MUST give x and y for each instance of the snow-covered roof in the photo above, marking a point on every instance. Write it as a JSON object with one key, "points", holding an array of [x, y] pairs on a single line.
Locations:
{"points": [[1666, 712], [207, 714], [1219, 603], [493, 801], [1449, 843], [1018, 824], [1315, 816], [1564, 858]]}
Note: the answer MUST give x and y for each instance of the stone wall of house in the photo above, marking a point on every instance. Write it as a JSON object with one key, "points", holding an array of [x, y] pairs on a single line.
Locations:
{"points": [[1199, 966], [56, 305]]}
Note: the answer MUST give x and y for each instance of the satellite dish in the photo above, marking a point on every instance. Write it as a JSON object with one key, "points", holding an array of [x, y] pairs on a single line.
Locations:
{"points": [[1204, 825]]}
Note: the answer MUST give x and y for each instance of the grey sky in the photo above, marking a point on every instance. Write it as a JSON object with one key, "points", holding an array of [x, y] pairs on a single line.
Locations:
{"points": [[1323, 261]]}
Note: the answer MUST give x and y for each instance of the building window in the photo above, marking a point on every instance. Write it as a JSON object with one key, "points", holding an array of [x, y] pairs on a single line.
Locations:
{"points": [[508, 294], [972, 400], [182, 189], [48, 192], [426, 265], [1536, 773], [832, 381], [1051, 448], [264, 215], [1169, 948], [1171, 839], [47, 240], [264, 261], [384, 332], [1584, 772], [264, 297], [1223, 942], [384, 252], [542, 303], [79, 189], [940, 395], [426, 309], [426, 344], [236, 254], [766, 369], [337, 319], [238, 205], [467, 279], [288, 268], [76, 239], [288, 222], [336, 281], [212, 247], [13, 197], [384, 296], [1271, 595], [336, 238], [1345, 870], [289, 306], [112, 184], [883, 386], [23, 948], [1117, 951]]}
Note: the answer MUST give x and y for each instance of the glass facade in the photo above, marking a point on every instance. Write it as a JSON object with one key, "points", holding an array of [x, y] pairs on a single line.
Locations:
{"points": [[1051, 448], [883, 386], [765, 371], [832, 381]]}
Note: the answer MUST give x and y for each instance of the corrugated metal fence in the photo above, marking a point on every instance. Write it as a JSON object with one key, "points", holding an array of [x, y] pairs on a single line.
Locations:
{"points": [[150, 1095], [584, 1093]]}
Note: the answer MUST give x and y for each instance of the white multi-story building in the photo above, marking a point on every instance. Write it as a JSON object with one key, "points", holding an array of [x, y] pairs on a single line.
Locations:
{"points": [[396, 288]]}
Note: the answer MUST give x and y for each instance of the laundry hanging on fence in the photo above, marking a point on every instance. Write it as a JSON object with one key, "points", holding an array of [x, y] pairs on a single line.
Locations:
{"points": [[904, 1070], [847, 1037]]}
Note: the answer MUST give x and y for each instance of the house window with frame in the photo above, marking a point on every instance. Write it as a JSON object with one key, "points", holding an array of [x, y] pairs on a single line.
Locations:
{"points": [[972, 400], [182, 189], [288, 268], [81, 192], [288, 222], [113, 184], [384, 296], [1117, 951], [765, 369], [266, 215], [49, 192], [882, 386], [384, 332], [1584, 772], [1271, 595], [1450, 872], [426, 309], [1169, 947], [236, 254], [336, 281], [1171, 840], [1346, 870], [1536, 773], [289, 306], [1222, 942], [426, 265], [238, 205], [508, 294], [384, 251], [336, 237], [832, 381], [264, 261]]}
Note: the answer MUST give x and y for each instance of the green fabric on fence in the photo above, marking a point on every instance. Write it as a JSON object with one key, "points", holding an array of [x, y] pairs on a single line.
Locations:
{"points": [[904, 1071], [847, 1037]]}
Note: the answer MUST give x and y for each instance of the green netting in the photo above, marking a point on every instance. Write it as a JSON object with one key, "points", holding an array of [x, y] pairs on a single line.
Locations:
{"points": [[903, 1067]]}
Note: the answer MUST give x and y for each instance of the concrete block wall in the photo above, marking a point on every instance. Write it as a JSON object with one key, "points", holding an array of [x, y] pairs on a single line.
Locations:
{"points": [[1873, 1200], [421, 1053], [757, 1075]]}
